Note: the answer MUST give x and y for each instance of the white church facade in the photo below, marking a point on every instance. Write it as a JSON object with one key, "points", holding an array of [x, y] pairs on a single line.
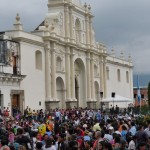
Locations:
{"points": [[60, 64]]}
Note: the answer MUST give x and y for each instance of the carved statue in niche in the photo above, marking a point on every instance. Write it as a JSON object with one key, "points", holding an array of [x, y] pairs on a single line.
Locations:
{"points": [[96, 73], [59, 63]]}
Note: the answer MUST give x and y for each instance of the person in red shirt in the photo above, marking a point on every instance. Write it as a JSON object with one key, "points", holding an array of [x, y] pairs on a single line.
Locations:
{"points": [[80, 131]]}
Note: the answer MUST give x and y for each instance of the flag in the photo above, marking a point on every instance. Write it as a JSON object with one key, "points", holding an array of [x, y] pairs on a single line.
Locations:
{"points": [[138, 91]]}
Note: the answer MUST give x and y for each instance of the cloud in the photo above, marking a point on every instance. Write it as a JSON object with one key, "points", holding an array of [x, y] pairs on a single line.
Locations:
{"points": [[31, 12]]}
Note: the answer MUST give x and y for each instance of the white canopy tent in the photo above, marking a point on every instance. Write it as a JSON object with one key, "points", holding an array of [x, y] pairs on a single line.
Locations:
{"points": [[118, 100]]}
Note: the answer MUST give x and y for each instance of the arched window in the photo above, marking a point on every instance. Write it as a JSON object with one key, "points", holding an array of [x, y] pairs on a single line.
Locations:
{"points": [[58, 63], [78, 30], [127, 76], [107, 72], [38, 60], [118, 75]]}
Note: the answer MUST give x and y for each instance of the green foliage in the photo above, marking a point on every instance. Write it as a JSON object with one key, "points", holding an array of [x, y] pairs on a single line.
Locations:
{"points": [[145, 110], [143, 120], [140, 121], [148, 93]]}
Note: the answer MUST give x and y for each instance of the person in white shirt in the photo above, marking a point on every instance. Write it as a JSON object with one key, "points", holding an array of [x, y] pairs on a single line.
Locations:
{"points": [[132, 129], [108, 137], [132, 143]]}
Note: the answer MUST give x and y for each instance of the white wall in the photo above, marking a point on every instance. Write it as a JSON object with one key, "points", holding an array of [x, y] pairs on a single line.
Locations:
{"points": [[34, 83], [122, 88]]}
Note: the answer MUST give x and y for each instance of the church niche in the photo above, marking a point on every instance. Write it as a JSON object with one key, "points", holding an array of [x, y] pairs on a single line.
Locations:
{"points": [[58, 63], [78, 30]]}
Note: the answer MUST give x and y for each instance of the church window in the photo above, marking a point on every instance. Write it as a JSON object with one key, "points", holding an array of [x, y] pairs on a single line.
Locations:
{"points": [[107, 72], [78, 30], [118, 75], [127, 76], [38, 60]]}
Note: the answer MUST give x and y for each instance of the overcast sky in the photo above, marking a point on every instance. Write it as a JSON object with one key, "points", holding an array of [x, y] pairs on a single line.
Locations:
{"points": [[121, 24]]}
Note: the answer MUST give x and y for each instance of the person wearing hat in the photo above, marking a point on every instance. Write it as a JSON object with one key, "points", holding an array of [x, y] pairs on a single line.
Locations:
{"points": [[86, 136], [111, 130], [85, 126]]}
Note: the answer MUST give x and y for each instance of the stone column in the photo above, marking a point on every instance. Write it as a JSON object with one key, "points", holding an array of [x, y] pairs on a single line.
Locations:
{"points": [[67, 70], [92, 78], [53, 71], [71, 25], [88, 72], [104, 77], [101, 74], [47, 72], [87, 29], [72, 75], [101, 81], [90, 30], [67, 22]]}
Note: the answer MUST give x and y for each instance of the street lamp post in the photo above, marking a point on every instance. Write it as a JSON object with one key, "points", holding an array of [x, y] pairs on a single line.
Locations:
{"points": [[101, 97], [113, 96]]}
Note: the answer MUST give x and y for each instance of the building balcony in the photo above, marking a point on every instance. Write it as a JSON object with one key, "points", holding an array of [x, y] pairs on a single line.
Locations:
{"points": [[11, 77]]}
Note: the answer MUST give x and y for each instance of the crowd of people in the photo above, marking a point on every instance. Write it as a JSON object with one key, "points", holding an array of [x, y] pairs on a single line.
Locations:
{"points": [[72, 129]]}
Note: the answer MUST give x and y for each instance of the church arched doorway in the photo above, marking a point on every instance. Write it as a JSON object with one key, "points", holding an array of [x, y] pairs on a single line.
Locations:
{"points": [[60, 92], [77, 91], [80, 83]]}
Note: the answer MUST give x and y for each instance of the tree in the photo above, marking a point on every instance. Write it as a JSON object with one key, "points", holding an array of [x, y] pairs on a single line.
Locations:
{"points": [[148, 93]]}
